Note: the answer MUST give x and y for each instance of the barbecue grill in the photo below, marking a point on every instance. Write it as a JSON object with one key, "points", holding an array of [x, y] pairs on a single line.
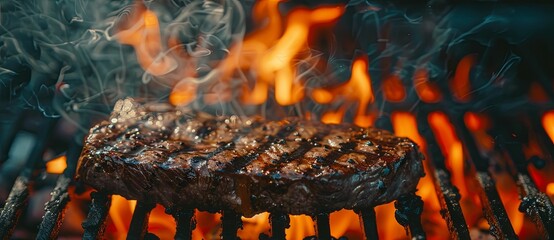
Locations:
{"points": [[518, 123]]}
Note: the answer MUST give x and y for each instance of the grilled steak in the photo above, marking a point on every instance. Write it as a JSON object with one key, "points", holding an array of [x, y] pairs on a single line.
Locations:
{"points": [[179, 159]]}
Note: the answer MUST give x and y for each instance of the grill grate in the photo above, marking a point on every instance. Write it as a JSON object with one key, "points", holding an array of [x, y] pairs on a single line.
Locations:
{"points": [[534, 204]]}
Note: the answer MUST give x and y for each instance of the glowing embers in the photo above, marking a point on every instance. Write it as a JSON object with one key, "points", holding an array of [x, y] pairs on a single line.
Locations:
{"points": [[56, 165], [357, 89]]}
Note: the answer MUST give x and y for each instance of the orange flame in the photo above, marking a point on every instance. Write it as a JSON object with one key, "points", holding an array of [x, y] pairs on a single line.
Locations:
{"points": [[270, 52], [161, 224], [550, 190], [427, 91], [451, 148], [56, 165], [405, 125], [120, 214], [460, 84], [254, 226], [393, 89], [478, 124], [144, 35], [357, 88], [548, 124]]}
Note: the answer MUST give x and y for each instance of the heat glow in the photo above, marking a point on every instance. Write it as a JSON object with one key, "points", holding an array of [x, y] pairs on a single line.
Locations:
{"points": [[460, 84], [548, 124], [426, 91], [356, 89], [56, 165]]}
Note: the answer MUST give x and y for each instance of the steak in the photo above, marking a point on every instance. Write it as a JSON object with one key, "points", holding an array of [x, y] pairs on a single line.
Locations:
{"points": [[181, 158]]}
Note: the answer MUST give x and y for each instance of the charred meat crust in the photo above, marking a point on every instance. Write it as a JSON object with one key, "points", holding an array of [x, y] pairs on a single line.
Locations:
{"points": [[178, 159]]}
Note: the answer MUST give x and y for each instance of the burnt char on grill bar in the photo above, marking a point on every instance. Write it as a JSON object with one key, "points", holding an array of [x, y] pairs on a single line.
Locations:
{"points": [[160, 154]]}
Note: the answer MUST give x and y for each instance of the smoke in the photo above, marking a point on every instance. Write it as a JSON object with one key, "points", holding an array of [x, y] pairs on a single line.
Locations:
{"points": [[63, 57]]}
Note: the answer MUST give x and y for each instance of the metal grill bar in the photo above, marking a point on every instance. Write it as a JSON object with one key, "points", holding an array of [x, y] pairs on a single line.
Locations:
{"points": [[95, 224], [279, 222], [542, 137], [53, 218], [231, 222], [408, 213], [55, 208], [19, 194], [448, 195], [534, 203], [139, 222], [17, 200], [369, 223], [185, 223], [322, 228], [493, 209]]}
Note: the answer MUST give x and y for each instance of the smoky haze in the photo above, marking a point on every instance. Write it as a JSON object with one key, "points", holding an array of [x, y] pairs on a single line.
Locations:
{"points": [[63, 57]]}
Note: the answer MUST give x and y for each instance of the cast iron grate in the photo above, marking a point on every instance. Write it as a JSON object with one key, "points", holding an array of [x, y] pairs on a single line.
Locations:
{"points": [[535, 204]]}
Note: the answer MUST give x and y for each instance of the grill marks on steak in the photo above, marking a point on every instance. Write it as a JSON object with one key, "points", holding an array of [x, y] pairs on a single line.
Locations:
{"points": [[178, 159]]}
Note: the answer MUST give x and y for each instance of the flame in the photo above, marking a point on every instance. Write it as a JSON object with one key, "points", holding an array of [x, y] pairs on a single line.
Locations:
{"points": [[393, 89], [254, 226], [161, 224], [183, 93], [387, 226], [405, 125], [460, 85], [548, 124], [508, 192], [357, 88], [208, 225], [272, 56], [451, 147], [120, 214], [56, 165], [550, 189], [427, 91], [142, 31], [301, 226], [345, 223], [479, 124]]}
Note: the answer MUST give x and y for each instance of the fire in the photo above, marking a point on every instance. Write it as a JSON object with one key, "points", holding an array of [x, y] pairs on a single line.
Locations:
{"points": [[142, 31], [56, 165], [393, 89], [357, 88], [405, 125], [301, 226], [120, 214], [252, 227], [548, 124], [550, 190], [427, 91], [479, 124], [271, 52], [161, 224], [460, 85], [450, 146]]}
